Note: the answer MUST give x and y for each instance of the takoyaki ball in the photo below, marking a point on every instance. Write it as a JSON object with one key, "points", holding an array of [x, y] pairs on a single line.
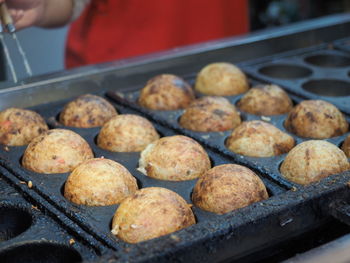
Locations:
{"points": [[87, 111], [166, 92], [346, 146], [210, 114], [221, 79], [316, 119], [99, 182], [149, 213], [313, 160], [227, 187], [265, 100], [174, 158], [19, 126], [259, 139], [56, 151], [126, 133]]}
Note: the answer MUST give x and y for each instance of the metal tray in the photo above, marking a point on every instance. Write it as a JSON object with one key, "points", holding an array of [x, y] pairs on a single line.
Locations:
{"points": [[342, 44], [97, 220], [28, 234], [269, 167], [321, 73], [239, 235]]}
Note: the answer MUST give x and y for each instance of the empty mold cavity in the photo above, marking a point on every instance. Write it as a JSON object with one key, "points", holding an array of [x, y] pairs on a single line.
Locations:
{"points": [[330, 61], [285, 71], [13, 222], [328, 87], [40, 252]]}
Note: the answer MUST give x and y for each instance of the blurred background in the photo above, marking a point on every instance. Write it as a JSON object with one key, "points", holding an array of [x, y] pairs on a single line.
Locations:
{"points": [[272, 13], [45, 48]]}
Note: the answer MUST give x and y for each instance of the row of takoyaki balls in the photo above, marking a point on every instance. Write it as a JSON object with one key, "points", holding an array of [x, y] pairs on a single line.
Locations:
{"points": [[310, 119], [132, 133], [98, 181], [146, 213], [149, 212], [127, 133], [314, 119], [154, 211], [102, 182]]}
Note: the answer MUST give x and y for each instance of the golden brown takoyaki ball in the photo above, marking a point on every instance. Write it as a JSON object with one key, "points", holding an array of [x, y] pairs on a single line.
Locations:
{"points": [[166, 92], [316, 119], [259, 139], [221, 79], [149, 213], [265, 100], [19, 126], [126, 133], [313, 160], [56, 151], [87, 111], [209, 114], [174, 158], [227, 187], [99, 182]]}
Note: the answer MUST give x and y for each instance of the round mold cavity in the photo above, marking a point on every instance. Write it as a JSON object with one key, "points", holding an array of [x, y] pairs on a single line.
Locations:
{"points": [[328, 61], [40, 252], [285, 71], [13, 222], [328, 87]]}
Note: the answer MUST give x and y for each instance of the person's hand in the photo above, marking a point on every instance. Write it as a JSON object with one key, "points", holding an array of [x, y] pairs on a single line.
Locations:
{"points": [[43, 13], [26, 13]]}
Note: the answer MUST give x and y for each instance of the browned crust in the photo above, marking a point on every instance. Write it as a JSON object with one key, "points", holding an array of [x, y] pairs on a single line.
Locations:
{"points": [[221, 79], [56, 151], [87, 111], [149, 213], [166, 92], [19, 126], [316, 119], [208, 114], [313, 160], [99, 182], [126, 133], [227, 187], [174, 158], [259, 139], [265, 100]]}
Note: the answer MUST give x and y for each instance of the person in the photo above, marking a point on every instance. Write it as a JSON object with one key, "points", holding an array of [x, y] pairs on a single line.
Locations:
{"points": [[106, 30]]}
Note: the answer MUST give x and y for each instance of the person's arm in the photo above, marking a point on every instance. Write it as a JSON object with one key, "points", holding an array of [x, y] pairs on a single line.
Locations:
{"points": [[42, 13]]}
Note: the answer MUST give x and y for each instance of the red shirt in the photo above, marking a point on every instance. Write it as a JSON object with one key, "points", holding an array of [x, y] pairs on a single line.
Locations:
{"points": [[113, 29]]}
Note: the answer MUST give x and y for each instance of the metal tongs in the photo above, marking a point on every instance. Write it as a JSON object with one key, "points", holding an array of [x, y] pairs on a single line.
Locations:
{"points": [[7, 24]]}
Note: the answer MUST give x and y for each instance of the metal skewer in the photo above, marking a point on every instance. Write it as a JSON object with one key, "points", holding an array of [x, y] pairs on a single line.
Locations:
{"points": [[6, 51], [24, 57], [8, 59], [7, 21]]}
